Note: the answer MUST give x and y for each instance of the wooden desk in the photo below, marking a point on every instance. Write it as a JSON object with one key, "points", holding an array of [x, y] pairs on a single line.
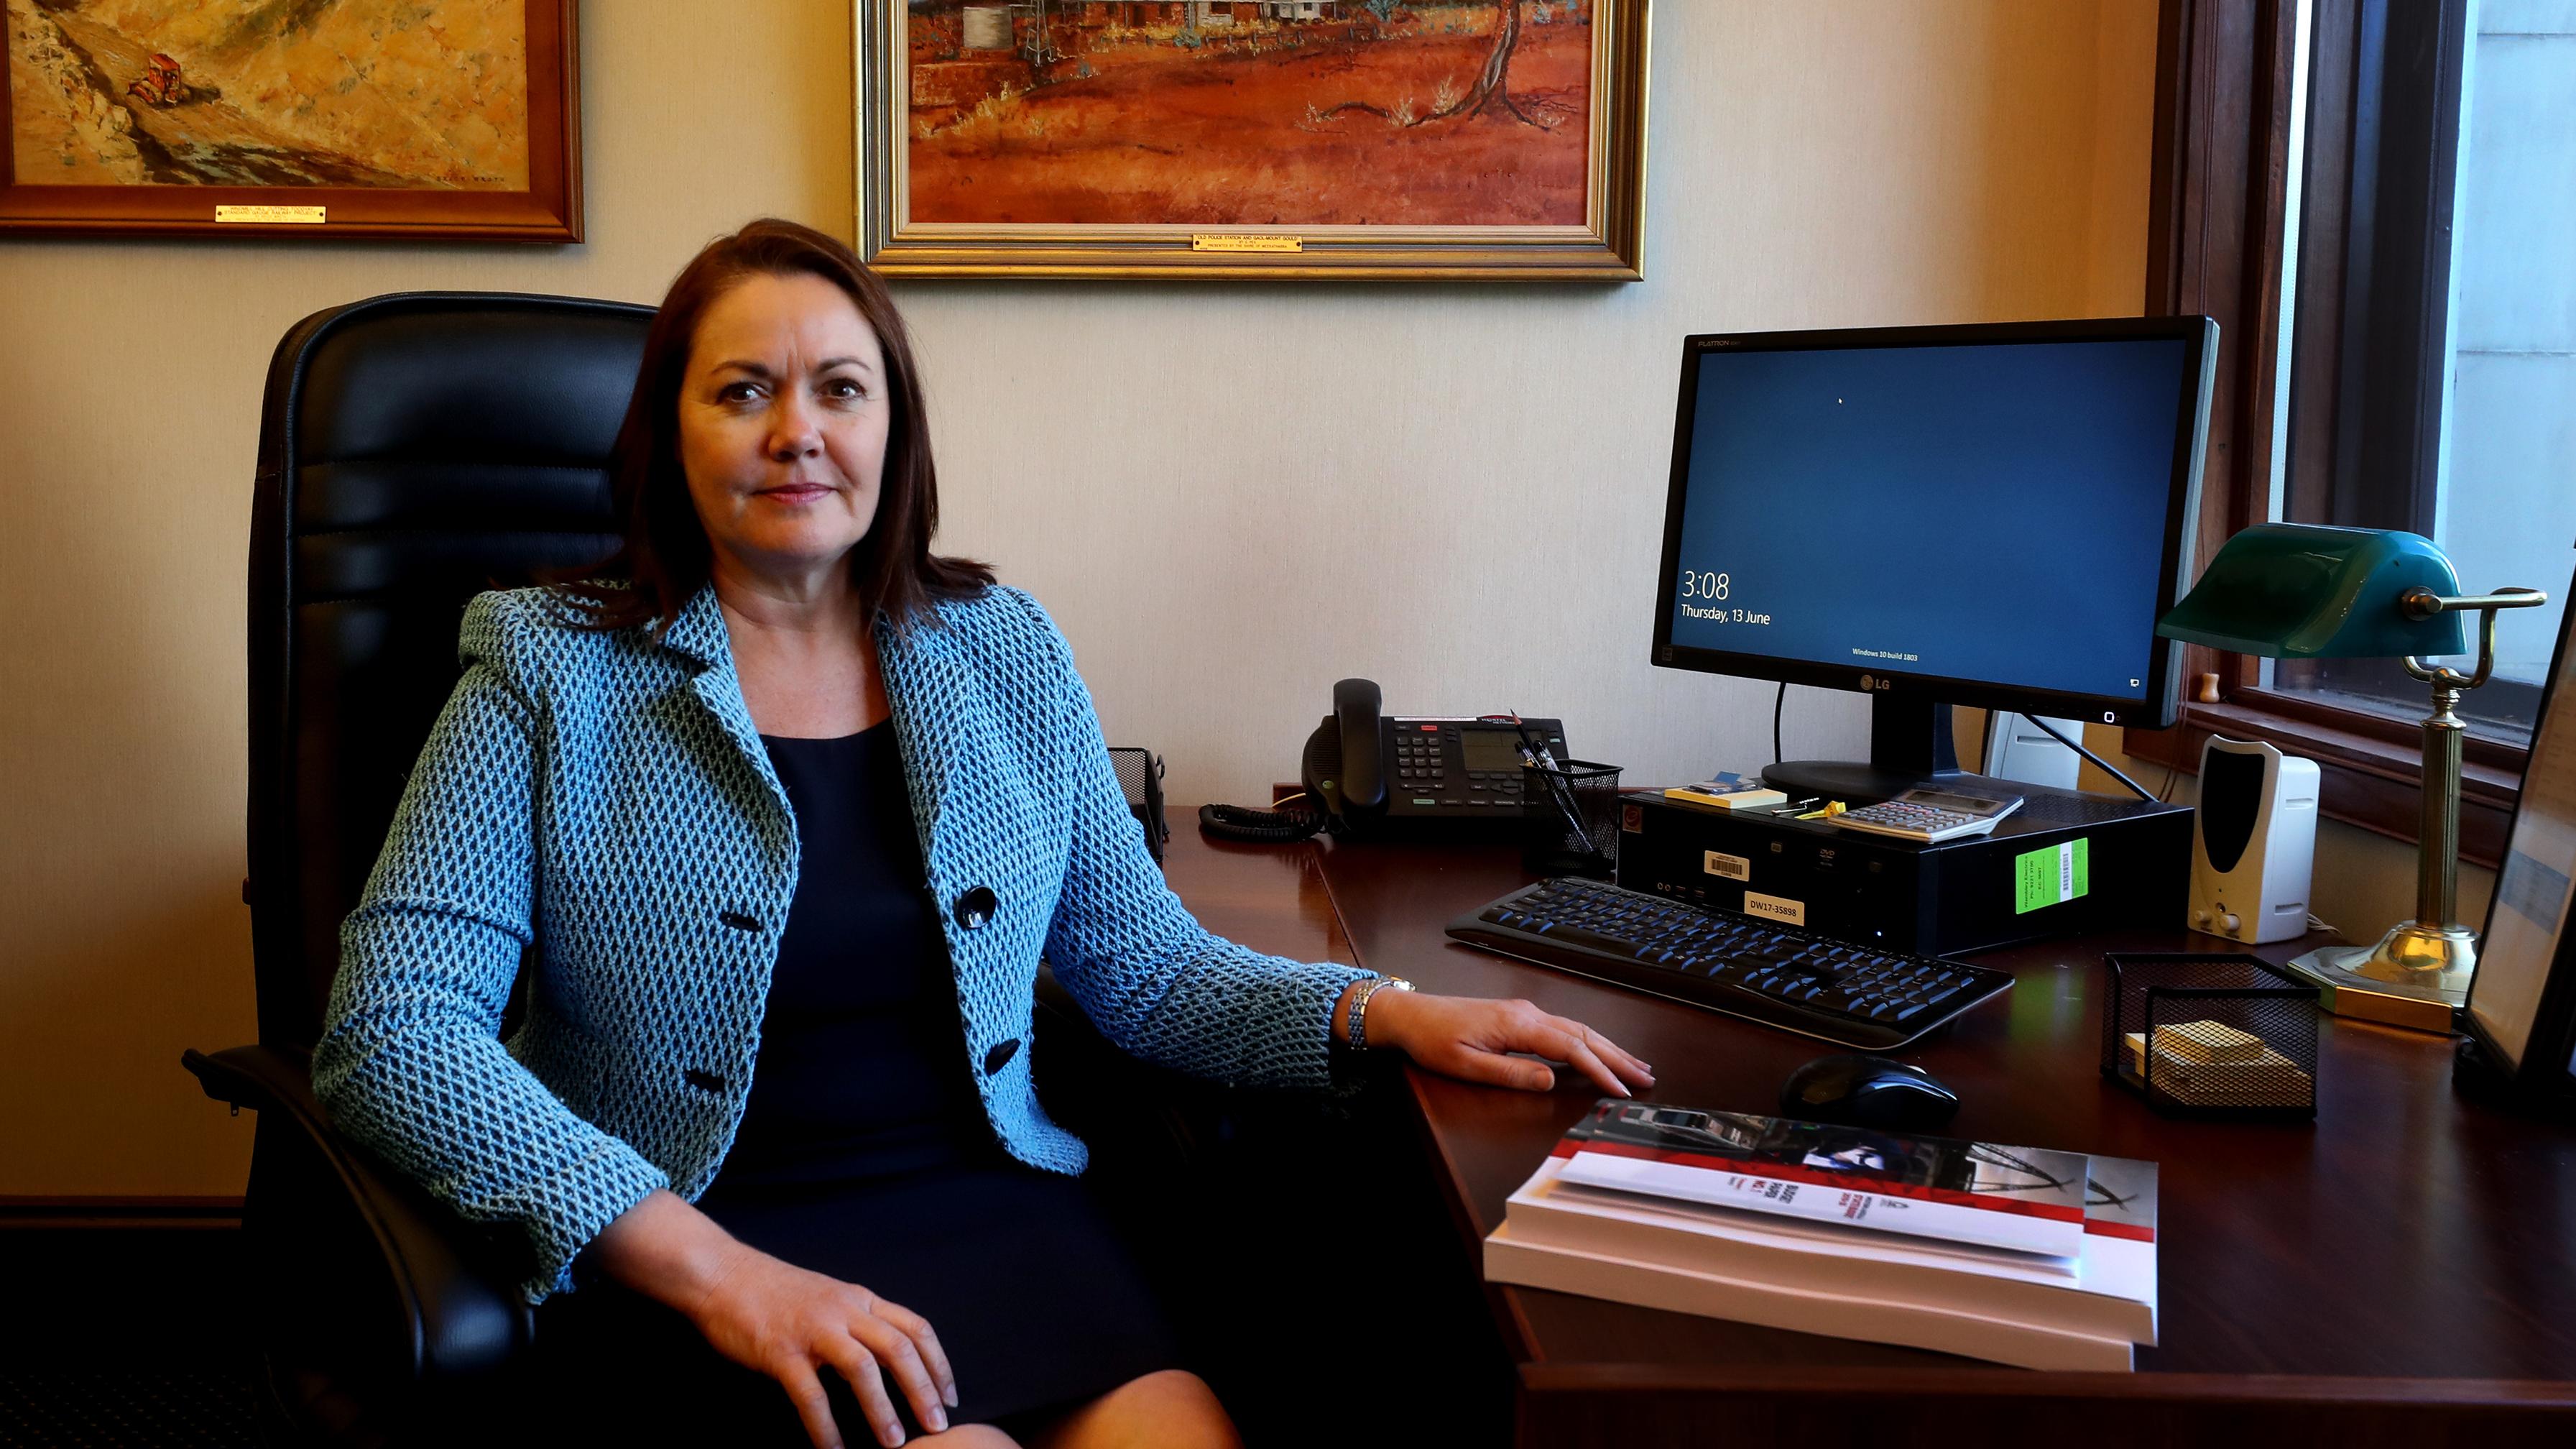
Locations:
{"points": [[2401, 1271]]}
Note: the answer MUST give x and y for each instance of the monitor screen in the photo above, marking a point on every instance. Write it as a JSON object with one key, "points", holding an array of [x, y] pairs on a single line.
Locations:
{"points": [[1993, 517]]}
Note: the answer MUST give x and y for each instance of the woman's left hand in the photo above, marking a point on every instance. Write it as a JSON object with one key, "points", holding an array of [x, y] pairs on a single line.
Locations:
{"points": [[1472, 1039]]}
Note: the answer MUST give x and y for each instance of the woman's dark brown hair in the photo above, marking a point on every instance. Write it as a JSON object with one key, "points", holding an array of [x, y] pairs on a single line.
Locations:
{"points": [[664, 559]]}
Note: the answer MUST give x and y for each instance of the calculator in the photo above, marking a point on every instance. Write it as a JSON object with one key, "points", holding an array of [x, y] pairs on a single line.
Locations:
{"points": [[1929, 815]]}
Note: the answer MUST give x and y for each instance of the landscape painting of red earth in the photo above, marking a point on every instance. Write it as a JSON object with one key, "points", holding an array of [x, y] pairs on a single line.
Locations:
{"points": [[272, 93], [1249, 113]]}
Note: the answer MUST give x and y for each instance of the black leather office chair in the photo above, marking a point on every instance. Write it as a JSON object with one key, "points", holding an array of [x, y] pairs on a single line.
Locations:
{"points": [[415, 449]]}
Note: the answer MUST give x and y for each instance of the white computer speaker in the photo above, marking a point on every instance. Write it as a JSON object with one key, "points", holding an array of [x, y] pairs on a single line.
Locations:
{"points": [[2253, 842]]}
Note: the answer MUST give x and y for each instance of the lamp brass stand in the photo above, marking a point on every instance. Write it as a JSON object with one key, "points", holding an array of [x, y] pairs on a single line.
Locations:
{"points": [[2419, 972]]}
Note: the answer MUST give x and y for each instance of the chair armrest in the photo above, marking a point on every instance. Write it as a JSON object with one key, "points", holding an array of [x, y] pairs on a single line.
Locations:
{"points": [[429, 1301]]}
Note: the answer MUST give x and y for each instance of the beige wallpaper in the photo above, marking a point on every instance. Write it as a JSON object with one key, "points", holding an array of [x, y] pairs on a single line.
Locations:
{"points": [[1229, 495]]}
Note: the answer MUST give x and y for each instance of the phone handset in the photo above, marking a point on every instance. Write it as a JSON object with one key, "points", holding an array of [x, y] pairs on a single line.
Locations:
{"points": [[1359, 792], [1340, 771]]}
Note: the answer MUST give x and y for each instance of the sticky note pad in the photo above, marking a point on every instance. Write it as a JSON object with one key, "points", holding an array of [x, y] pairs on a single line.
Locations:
{"points": [[2208, 1041], [1729, 792]]}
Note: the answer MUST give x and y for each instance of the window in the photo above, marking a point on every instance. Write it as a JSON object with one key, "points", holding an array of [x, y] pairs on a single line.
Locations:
{"points": [[2396, 293], [2431, 316]]}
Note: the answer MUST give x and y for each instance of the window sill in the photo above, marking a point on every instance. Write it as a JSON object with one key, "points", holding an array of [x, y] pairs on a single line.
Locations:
{"points": [[2371, 767]]}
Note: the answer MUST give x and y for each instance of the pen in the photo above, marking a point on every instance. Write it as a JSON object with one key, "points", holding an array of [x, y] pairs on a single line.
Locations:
{"points": [[1559, 791], [1557, 795], [1565, 790]]}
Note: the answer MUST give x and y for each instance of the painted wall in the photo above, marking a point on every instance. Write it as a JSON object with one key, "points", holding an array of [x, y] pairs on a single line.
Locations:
{"points": [[1217, 558]]}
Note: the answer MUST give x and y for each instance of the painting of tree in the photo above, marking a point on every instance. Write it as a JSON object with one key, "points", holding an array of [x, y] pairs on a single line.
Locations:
{"points": [[1201, 113]]}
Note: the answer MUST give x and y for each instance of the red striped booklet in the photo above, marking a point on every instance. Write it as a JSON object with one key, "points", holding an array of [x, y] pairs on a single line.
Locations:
{"points": [[1830, 1278], [2023, 1199]]}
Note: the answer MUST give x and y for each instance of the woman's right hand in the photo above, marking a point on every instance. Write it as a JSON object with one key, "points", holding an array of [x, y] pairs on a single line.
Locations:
{"points": [[794, 1325], [784, 1321]]}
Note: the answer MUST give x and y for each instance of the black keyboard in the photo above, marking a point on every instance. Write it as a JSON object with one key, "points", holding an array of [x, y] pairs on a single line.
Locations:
{"points": [[1855, 996]]}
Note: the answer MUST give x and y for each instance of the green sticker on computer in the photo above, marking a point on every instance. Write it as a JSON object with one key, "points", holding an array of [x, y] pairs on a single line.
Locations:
{"points": [[2051, 875]]}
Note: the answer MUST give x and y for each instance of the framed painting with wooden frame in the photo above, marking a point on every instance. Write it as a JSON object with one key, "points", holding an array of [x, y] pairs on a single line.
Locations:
{"points": [[1271, 139], [385, 119]]}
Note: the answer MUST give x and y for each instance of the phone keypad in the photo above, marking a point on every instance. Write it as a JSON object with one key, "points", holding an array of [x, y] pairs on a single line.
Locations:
{"points": [[1429, 769], [1420, 762], [1429, 765], [1419, 758]]}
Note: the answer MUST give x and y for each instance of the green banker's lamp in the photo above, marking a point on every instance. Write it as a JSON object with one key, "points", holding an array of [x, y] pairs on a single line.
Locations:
{"points": [[2308, 591]]}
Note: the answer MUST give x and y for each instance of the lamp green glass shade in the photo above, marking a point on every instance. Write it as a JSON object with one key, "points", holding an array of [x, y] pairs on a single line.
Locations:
{"points": [[2309, 591]]}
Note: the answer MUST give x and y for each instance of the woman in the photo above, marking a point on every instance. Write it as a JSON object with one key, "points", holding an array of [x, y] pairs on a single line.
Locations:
{"points": [[788, 788]]}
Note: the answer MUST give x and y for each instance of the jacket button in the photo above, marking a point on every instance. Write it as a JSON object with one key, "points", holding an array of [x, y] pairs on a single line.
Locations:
{"points": [[975, 907], [1000, 1056]]}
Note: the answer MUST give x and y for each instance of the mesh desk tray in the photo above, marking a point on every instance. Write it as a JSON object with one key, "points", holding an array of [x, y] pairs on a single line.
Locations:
{"points": [[2210, 1035]]}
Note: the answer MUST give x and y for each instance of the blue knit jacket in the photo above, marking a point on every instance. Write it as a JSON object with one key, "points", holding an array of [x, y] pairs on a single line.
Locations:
{"points": [[605, 798]]}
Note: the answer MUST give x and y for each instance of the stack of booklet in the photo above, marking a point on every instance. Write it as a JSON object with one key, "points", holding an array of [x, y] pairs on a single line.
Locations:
{"points": [[2015, 1254]]}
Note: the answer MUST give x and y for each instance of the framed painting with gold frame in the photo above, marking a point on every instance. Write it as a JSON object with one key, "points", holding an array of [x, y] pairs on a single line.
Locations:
{"points": [[458, 120], [1280, 139]]}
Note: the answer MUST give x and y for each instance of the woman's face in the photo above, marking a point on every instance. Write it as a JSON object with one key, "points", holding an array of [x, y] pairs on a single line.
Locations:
{"points": [[783, 421]]}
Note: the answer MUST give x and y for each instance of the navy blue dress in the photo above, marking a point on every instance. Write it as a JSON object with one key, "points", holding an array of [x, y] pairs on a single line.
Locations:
{"points": [[864, 1154]]}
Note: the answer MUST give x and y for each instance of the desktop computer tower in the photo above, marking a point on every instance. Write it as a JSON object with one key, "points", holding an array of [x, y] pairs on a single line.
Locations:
{"points": [[2063, 862]]}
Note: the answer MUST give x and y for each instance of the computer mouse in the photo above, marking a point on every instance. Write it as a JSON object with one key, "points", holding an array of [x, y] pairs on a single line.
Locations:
{"points": [[1867, 1091]]}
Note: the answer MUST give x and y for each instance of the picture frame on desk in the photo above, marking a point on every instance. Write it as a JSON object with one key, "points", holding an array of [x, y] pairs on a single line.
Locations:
{"points": [[451, 122], [1274, 140], [2520, 1019]]}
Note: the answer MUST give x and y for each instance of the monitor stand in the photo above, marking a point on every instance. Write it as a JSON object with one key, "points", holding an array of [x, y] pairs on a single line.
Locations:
{"points": [[1910, 745]]}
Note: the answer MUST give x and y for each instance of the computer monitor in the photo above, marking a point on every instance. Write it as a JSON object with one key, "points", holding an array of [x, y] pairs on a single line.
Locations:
{"points": [[1987, 515]]}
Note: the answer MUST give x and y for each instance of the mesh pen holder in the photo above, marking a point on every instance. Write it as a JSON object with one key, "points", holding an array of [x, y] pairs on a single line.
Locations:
{"points": [[1571, 812], [1140, 779], [2210, 1035]]}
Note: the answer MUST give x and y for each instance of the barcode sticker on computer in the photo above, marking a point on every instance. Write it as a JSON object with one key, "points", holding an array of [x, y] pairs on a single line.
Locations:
{"points": [[1775, 907], [2051, 875], [1732, 867]]}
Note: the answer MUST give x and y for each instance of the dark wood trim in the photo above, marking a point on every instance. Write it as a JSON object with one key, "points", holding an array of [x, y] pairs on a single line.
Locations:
{"points": [[2399, 394], [1580, 1405], [1927, 1384], [2219, 177], [162, 1211], [88, 1294], [2408, 734], [2374, 262], [1505, 1307], [2370, 767]]}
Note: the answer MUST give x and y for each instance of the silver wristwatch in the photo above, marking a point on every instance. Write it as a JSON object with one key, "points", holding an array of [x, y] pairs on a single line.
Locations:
{"points": [[1359, 1007]]}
